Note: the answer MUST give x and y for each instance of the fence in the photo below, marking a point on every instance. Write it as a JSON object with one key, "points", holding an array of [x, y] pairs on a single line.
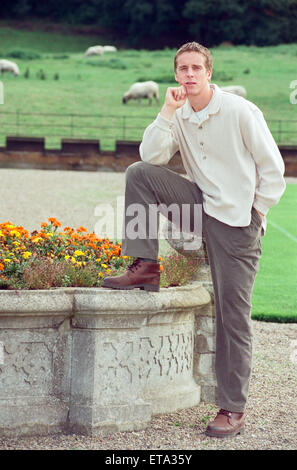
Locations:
{"points": [[106, 128]]}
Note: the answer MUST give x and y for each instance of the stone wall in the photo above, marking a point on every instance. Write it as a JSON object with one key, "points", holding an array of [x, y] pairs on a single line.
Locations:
{"points": [[82, 360], [86, 155]]}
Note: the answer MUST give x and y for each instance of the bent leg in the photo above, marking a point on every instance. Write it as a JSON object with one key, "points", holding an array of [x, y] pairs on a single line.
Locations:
{"points": [[147, 187]]}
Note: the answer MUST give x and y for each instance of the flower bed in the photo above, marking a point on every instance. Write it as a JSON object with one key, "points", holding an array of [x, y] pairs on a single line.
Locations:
{"points": [[52, 257]]}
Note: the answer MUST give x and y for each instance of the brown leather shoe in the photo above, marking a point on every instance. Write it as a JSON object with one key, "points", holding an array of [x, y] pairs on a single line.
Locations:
{"points": [[226, 424], [142, 274]]}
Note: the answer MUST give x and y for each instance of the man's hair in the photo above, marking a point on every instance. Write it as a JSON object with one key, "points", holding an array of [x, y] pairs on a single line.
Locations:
{"points": [[195, 47]]}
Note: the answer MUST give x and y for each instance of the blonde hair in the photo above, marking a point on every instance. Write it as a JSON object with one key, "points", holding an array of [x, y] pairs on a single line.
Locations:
{"points": [[195, 47]]}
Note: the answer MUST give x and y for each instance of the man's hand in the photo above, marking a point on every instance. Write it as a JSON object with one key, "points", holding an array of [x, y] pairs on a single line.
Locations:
{"points": [[175, 98], [260, 214]]}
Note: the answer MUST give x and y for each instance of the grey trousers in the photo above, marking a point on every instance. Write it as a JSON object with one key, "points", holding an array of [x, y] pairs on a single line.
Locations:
{"points": [[233, 252]]}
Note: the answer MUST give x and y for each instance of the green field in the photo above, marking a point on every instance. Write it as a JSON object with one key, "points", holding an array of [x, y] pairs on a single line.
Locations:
{"points": [[62, 81], [275, 292]]}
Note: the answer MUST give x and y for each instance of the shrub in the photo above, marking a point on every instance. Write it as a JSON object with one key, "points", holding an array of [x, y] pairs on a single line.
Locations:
{"points": [[177, 270], [222, 76], [111, 63], [23, 54], [43, 273]]}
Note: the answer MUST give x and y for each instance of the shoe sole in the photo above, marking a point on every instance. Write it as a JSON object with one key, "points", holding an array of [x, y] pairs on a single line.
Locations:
{"points": [[146, 287], [217, 434]]}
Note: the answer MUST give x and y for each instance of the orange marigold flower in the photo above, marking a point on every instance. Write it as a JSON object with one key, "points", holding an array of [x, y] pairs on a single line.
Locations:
{"points": [[54, 221]]}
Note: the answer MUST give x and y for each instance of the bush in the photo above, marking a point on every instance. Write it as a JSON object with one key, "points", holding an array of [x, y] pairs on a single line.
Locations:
{"points": [[111, 63], [222, 76], [23, 54], [177, 270], [166, 78]]}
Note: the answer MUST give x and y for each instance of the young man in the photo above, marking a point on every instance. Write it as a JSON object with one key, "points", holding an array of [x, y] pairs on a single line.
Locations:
{"points": [[236, 172]]}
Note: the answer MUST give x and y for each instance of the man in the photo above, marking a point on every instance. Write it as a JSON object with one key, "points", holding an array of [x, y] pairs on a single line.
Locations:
{"points": [[236, 172]]}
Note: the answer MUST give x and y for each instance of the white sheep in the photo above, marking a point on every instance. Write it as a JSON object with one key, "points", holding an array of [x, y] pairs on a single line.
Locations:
{"points": [[94, 50], [8, 66], [141, 90], [110, 49], [236, 89]]}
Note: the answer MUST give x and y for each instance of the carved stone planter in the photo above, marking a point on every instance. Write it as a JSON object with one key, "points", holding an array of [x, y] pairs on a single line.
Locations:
{"points": [[82, 360]]}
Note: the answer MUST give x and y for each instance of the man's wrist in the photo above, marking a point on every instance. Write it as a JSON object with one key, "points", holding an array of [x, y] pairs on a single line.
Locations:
{"points": [[260, 214], [167, 111]]}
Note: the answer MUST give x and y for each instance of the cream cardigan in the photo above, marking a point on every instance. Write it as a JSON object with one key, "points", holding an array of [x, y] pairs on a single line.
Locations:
{"points": [[230, 154]]}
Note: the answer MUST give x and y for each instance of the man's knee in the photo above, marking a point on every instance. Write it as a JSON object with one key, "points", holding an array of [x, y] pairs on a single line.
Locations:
{"points": [[138, 169]]}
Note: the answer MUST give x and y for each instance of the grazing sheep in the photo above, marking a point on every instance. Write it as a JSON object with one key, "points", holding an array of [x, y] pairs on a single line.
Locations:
{"points": [[94, 50], [8, 66], [141, 90], [110, 49], [236, 89]]}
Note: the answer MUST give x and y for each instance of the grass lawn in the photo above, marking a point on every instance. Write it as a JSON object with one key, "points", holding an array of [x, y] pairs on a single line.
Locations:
{"points": [[73, 84], [275, 292]]}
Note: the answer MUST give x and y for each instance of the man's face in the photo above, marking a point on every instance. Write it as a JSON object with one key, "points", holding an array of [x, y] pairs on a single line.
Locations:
{"points": [[191, 72]]}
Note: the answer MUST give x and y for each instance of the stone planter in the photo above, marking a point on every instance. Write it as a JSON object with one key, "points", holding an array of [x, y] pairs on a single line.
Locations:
{"points": [[82, 360]]}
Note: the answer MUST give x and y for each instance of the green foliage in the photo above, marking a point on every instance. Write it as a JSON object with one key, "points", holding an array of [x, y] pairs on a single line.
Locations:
{"points": [[259, 22], [108, 63], [166, 78], [177, 270], [220, 75], [23, 54]]}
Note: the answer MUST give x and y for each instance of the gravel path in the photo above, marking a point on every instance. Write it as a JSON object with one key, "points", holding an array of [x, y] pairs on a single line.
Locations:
{"points": [[271, 410], [29, 197]]}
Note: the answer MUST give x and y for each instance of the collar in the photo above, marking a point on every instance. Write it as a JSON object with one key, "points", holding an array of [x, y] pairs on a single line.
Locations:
{"points": [[212, 107]]}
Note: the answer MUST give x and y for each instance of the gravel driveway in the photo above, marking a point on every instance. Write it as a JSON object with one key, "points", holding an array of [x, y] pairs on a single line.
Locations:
{"points": [[29, 197]]}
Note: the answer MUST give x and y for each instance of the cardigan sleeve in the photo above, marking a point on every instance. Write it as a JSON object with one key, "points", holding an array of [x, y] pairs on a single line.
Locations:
{"points": [[269, 162], [159, 142]]}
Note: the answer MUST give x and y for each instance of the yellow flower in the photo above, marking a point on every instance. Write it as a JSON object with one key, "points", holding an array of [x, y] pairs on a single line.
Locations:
{"points": [[26, 254], [104, 265], [108, 271], [78, 253], [1, 234], [16, 233], [100, 274], [67, 257], [36, 240], [98, 260], [16, 243], [50, 234], [78, 263], [7, 260]]}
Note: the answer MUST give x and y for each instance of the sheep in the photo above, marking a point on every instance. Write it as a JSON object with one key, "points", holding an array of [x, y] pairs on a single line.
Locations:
{"points": [[8, 66], [110, 49], [94, 50], [236, 89], [141, 90]]}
